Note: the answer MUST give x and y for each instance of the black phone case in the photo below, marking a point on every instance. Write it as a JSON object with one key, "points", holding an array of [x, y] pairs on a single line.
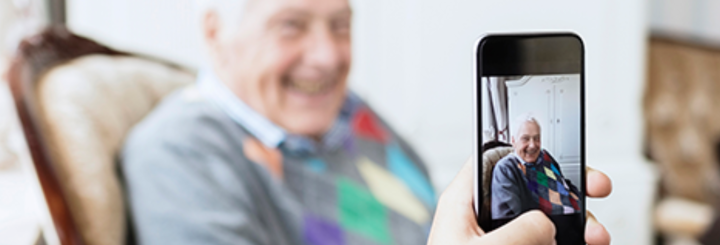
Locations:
{"points": [[530, 54]]}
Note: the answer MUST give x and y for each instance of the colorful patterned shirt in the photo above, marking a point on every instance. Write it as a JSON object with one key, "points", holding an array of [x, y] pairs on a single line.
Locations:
{"points": [[518, 186]]}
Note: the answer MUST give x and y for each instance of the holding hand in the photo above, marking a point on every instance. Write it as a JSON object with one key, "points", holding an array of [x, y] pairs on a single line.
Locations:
{"points": [[455, 221]]}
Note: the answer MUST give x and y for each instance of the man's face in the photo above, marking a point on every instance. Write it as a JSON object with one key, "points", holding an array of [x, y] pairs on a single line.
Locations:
{"points": [[289, 60], [527, 141]]}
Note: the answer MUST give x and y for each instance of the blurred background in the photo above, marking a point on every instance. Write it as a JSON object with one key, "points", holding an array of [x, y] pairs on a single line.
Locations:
{"points": [[650, 93]]}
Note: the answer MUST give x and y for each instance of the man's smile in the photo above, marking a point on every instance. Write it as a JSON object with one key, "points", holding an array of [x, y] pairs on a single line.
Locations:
{"points": [[310, 86]]}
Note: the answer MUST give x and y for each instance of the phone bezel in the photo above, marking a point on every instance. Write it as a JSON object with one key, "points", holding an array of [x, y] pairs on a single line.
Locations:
{"points": [[479, 73]]}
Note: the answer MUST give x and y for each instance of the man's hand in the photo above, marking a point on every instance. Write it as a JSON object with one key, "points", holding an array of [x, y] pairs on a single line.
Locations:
{"points": [[455, 219]]}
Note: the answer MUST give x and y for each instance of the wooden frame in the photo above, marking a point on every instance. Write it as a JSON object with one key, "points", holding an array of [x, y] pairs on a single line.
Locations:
{"points": [[35, 56]]}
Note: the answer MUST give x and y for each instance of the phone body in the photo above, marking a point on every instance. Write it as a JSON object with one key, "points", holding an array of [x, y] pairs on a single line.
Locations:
{"points": [[529, 92]]}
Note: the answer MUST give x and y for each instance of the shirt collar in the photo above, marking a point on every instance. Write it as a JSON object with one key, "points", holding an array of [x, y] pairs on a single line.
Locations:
{"points": [[263, 129], [337, 136], [528, 163], [269, 133]]}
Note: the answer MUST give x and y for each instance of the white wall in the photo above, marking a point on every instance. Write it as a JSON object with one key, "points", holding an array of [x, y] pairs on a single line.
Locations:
{"points": [[554, 101], [414, 63], [692, 19], [7, 17], [167, 29]]}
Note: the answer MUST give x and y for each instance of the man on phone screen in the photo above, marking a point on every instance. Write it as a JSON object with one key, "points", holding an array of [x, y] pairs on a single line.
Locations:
{"points": [[530, 178]]}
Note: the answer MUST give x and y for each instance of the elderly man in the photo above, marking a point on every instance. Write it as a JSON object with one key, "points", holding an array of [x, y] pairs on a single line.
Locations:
{"points": [[529, 178], [269, 147]]}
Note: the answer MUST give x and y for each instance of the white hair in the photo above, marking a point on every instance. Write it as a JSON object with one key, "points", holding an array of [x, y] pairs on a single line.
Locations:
{"points": [[521, 120]]}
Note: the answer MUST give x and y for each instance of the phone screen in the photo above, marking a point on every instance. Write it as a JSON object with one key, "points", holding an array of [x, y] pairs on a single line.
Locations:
{"points": [[530, 133]]}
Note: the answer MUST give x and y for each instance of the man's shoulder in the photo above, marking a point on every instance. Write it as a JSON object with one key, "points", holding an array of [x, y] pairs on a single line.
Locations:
{"points": [[507, 163], [184, 118], [508, 160], [184, 105]]}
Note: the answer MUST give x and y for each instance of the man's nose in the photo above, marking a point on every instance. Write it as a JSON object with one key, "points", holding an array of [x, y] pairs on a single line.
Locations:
{"points": [[323, 50], [534, 144]]}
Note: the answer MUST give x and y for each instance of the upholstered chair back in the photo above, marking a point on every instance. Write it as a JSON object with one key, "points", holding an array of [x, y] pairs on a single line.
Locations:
{"points": [[489, 159], [89, 105]]}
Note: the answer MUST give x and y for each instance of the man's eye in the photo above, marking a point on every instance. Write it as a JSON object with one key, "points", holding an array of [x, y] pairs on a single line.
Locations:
{"points": [[291, 27], [341, 26]]}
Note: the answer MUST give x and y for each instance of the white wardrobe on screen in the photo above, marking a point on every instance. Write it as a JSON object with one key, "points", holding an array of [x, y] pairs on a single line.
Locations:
{"points": [[555, 102]]}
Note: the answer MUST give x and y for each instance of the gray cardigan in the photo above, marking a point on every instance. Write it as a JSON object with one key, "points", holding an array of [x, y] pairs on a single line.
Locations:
{"points": [[188, 182]]}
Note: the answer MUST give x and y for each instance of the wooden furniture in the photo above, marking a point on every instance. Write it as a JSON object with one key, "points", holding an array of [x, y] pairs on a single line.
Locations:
{"points": [[681, 105], [35, 56], [77, 100]]}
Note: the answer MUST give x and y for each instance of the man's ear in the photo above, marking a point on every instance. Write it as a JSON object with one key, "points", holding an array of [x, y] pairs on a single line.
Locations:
{"points": [[211, 32]]}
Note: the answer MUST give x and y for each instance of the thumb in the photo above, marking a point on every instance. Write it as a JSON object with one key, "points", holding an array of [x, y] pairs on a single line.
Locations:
{"points": [[530, 228]]}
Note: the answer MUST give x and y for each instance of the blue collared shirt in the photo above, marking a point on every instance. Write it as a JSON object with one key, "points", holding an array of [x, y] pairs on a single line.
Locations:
{"points": [[267, 132]]}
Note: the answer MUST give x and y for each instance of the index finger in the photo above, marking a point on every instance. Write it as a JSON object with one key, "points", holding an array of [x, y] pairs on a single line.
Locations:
{"points": [[598, 184]]}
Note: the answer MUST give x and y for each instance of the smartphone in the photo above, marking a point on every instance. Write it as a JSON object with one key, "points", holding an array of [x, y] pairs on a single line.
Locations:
{"points": [[530, 131]]}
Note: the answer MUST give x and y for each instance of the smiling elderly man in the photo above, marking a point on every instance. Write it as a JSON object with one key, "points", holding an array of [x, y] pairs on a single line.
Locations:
{"points": [[529, 178], [269, 147]]}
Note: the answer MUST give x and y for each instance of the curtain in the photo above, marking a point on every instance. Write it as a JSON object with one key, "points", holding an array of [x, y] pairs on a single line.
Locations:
{"points": [[498, 102]]}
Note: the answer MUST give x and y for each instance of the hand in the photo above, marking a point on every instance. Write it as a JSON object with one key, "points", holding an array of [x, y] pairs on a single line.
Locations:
{"points": [[455, 222]]}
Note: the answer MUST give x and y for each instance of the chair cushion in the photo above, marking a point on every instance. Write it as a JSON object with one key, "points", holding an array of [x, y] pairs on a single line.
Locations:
{"points": [[489, 159], [89, 105]]}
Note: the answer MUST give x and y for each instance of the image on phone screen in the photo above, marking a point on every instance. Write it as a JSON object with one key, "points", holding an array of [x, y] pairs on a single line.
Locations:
{"points": [[530, 134], [537, 161]]}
